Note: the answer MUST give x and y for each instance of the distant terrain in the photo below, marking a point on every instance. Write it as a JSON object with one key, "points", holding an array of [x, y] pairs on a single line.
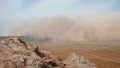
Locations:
{"points": [[25, 38]]}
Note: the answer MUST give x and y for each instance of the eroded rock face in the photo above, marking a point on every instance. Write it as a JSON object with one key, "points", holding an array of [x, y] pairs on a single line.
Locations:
{"points": [[14, 53]]}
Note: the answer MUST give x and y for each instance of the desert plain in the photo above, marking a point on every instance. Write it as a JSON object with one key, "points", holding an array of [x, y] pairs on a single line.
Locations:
{"points": [[103, 54]]}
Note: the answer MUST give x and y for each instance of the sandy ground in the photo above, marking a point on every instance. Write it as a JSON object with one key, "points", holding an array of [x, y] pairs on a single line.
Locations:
{"points": [[104, 55]]}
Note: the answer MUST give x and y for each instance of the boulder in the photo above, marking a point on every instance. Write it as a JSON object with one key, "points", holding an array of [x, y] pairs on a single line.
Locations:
{"points": [[74, 61]]}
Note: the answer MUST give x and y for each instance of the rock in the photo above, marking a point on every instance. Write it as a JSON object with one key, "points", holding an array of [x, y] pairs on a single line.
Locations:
{"points": [[14, 53], [2, 42], [7, 64], [16, 42], [74, 61], [21, 60]]}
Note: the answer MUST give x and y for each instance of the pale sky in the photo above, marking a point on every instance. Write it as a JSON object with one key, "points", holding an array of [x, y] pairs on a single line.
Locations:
{"points": [[12, 11]]}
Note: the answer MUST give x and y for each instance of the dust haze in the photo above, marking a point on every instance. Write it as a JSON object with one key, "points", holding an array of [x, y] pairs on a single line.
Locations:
{"points": [[89, 27]]}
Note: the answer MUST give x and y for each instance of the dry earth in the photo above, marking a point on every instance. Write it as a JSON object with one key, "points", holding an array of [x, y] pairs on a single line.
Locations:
{"points": [[104, 55]]}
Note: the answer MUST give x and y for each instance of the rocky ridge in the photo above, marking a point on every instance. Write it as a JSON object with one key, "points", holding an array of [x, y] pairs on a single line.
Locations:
{"points": [[15, 53]]}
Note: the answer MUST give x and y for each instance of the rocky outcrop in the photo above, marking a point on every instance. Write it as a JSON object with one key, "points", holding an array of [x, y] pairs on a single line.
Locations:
{"points": [[74, 61], [15, 53]]}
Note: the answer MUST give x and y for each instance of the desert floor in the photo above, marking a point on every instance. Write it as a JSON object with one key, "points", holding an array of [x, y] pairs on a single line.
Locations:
{"points": [[104, 55]]}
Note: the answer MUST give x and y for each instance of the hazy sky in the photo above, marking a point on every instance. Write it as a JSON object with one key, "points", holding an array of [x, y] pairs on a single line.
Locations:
{"points": [[12, 11]]}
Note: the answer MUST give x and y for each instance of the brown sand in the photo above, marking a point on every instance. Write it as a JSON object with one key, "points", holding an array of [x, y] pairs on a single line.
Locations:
{"points": [[104, 55]]}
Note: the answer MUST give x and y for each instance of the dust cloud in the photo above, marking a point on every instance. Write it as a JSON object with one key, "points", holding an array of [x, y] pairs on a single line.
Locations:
{"points": [[91, 27]]}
